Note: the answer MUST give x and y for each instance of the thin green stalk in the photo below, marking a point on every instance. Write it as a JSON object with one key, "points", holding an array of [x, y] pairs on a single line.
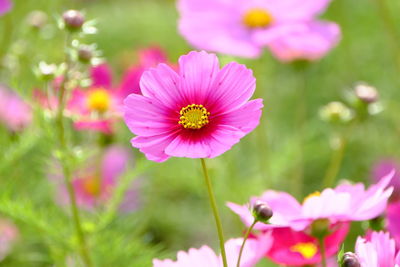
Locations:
{"points": [[244, 242], [84, 251], [215, 212], [322, 251], [335, 163]]}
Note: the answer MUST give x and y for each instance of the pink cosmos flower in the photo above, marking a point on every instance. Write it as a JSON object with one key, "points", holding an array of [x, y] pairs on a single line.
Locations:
{"points": [[377, 251], [15, 114], [8, 236], [253, 251], [243, 27], [5, 6], [393, 220], [382, 168], [343, 204], [297, 248], [200, 111], [94, 184]]}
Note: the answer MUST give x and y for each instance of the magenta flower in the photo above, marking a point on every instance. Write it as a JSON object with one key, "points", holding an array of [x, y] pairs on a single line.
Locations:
{"points": [[343, 204], [5, 6], [8, 236], [94, 184], [15, 114], [377, 251], [393, 220], [297, 248], [303, 41], [383, 168], [243, 27], [253, 251], [199, 112]]}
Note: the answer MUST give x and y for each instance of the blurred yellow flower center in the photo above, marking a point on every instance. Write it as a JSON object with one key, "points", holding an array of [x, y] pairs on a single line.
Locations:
{"points": [[257, 18], [91, 185], [194, 116], [315, 194], [307, 250], [99, 100]]}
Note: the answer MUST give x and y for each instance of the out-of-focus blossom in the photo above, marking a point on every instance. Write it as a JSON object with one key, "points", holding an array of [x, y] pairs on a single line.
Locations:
{"points": [[5, 6], [37, 19], [199, 112], [393, 220], [243, 27], [378, 250], [304, 41], [383, 168], [8, 236], [297, 248], [15, 113], [253, 251], [94, 184], [366, 93], [343, 204], [336, 112]]}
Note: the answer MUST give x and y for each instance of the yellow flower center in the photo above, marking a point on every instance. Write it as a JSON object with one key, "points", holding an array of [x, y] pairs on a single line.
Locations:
{"points": [[194, 116], [315, 194], [307, 250], [257, 18], [99, 100], [92, 186]]}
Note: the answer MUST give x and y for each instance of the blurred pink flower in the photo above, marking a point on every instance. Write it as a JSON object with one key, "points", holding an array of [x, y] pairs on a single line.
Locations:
{"points": [[294, 248], [393, 220], [5, 6], [382, 168], [253, 251], [343, 204], [8, 235], [377, 251], [94, 184], [15, 114], [303, 41], [199, 112], [243, 27]]}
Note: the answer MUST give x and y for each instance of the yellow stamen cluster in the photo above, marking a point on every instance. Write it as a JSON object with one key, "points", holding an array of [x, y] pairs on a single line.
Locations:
{"points": [[98, 100], [92, 186], [257, 18], [315, 194], [307, 250], [194, 116]]}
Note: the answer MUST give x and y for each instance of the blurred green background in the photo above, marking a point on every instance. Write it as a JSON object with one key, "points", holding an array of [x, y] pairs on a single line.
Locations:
{"points": [[175, 214]]}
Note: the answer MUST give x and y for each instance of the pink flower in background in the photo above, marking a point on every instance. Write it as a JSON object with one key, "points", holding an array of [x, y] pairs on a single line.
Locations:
{"points": [[15, 114], [253, 251], [243, 27], [94, 184], [382, 168], [8, 236], [343, 204], [199, 112], [303, 41], [5, 6], [377, 251], [294, 248], [393, 220]]}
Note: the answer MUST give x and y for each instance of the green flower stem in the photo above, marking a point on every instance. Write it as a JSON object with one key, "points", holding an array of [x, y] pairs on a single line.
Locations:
{"points": [[244, 242], [335, 163], [322, 251], [65, 164], [215, 212]]}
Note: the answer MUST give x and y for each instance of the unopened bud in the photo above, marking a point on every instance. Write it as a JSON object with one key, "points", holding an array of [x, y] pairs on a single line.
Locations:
{"points": [[336, 112], [350, 260], [366, 93], [73, 19], [37, 19], [262, 212], [85, 53]]}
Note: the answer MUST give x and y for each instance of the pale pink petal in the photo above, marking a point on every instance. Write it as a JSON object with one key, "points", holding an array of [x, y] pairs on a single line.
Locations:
{"points": [[154, 146], [104, 126], [78, 102], [114, 164], [101, 76]]}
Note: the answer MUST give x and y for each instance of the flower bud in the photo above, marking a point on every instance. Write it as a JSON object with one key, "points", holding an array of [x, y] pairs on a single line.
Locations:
{"points": [[85, 53], [46, 71], [37, 19], [262, 212], [73, 19], [350, 260], [366, 93], [336, 112]]}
